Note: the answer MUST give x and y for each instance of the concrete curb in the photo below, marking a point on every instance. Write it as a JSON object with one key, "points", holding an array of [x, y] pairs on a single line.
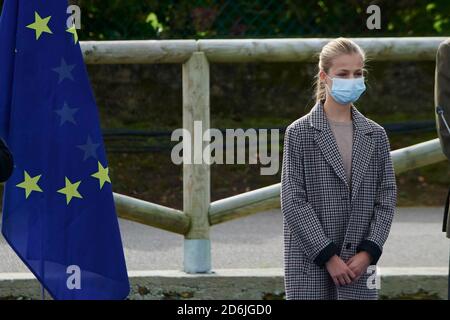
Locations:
{"points": [[235, 284]]}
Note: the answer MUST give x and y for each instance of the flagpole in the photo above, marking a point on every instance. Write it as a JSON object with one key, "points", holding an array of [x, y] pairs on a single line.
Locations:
{"points": [[42, 292]]}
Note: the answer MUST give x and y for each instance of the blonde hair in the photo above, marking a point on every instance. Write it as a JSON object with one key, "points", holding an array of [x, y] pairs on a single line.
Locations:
{"points": [[329, 52]]}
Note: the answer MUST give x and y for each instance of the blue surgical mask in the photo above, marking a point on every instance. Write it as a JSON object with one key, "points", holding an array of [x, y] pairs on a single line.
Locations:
{"points": [[346, 91]]}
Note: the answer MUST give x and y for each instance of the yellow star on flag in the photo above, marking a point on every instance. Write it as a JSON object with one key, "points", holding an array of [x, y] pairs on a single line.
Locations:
{"points": [[40, 25], [73, 30], [102, 175], [70, 190], [30, 184]]}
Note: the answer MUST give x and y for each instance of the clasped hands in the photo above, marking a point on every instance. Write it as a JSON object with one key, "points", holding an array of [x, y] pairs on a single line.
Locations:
{"points": [[344, 273]]}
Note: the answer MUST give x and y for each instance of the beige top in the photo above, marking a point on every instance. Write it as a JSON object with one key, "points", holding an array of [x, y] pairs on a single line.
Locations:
{"points": [[343, 133]]}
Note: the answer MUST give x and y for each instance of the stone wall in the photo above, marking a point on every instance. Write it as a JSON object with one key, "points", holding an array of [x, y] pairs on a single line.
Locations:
{"points": [[149, 96]]}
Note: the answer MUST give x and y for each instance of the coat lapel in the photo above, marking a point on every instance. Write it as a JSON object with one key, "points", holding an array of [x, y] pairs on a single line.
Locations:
{"points": [[327, 143], [362, 146]]}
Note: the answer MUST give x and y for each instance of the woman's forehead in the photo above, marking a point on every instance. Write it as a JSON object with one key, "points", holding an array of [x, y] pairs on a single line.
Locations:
{"points": [[347, 62]]}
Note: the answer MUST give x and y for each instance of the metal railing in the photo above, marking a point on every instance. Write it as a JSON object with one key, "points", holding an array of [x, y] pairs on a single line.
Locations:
{"points": [[199, 214]]}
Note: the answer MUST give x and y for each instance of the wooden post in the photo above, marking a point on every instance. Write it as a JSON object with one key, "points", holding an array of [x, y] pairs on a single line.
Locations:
{"points": [[196, 173]]}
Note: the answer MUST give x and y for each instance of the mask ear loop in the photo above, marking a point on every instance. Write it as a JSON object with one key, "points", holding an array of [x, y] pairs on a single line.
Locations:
{"points": [[326, 85]]}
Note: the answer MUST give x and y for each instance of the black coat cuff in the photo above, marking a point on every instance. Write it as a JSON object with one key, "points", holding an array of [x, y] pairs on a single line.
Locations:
{"points": [[325, 254], [6, 161], [370, 247]]}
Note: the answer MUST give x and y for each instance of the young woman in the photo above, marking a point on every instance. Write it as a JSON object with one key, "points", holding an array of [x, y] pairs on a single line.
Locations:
{"points": [[338, 189]]}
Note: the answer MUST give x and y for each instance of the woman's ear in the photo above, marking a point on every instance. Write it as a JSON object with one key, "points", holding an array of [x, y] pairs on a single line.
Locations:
{"points": [[323, 76]]}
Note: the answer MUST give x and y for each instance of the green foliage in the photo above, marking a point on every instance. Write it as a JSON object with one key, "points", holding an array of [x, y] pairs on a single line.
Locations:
{"points": [[194, 19]]}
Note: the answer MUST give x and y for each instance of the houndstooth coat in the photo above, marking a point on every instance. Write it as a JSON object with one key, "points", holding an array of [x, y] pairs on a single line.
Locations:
{"points": [[323, 214]]}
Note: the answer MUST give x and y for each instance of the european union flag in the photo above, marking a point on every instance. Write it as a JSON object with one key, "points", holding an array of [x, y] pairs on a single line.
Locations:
{"points": [[58, 209]]}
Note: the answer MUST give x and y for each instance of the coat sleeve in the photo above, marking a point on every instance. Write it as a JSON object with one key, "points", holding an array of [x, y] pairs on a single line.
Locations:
{"points": [[385, 203], [297, 212], [6, 161]]}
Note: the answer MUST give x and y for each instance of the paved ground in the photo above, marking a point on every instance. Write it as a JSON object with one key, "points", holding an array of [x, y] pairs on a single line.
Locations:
{"points": [[416, 240]]}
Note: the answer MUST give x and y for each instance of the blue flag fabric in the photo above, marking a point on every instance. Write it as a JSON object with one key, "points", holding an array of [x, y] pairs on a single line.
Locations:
{"points": [[58, 209]]}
